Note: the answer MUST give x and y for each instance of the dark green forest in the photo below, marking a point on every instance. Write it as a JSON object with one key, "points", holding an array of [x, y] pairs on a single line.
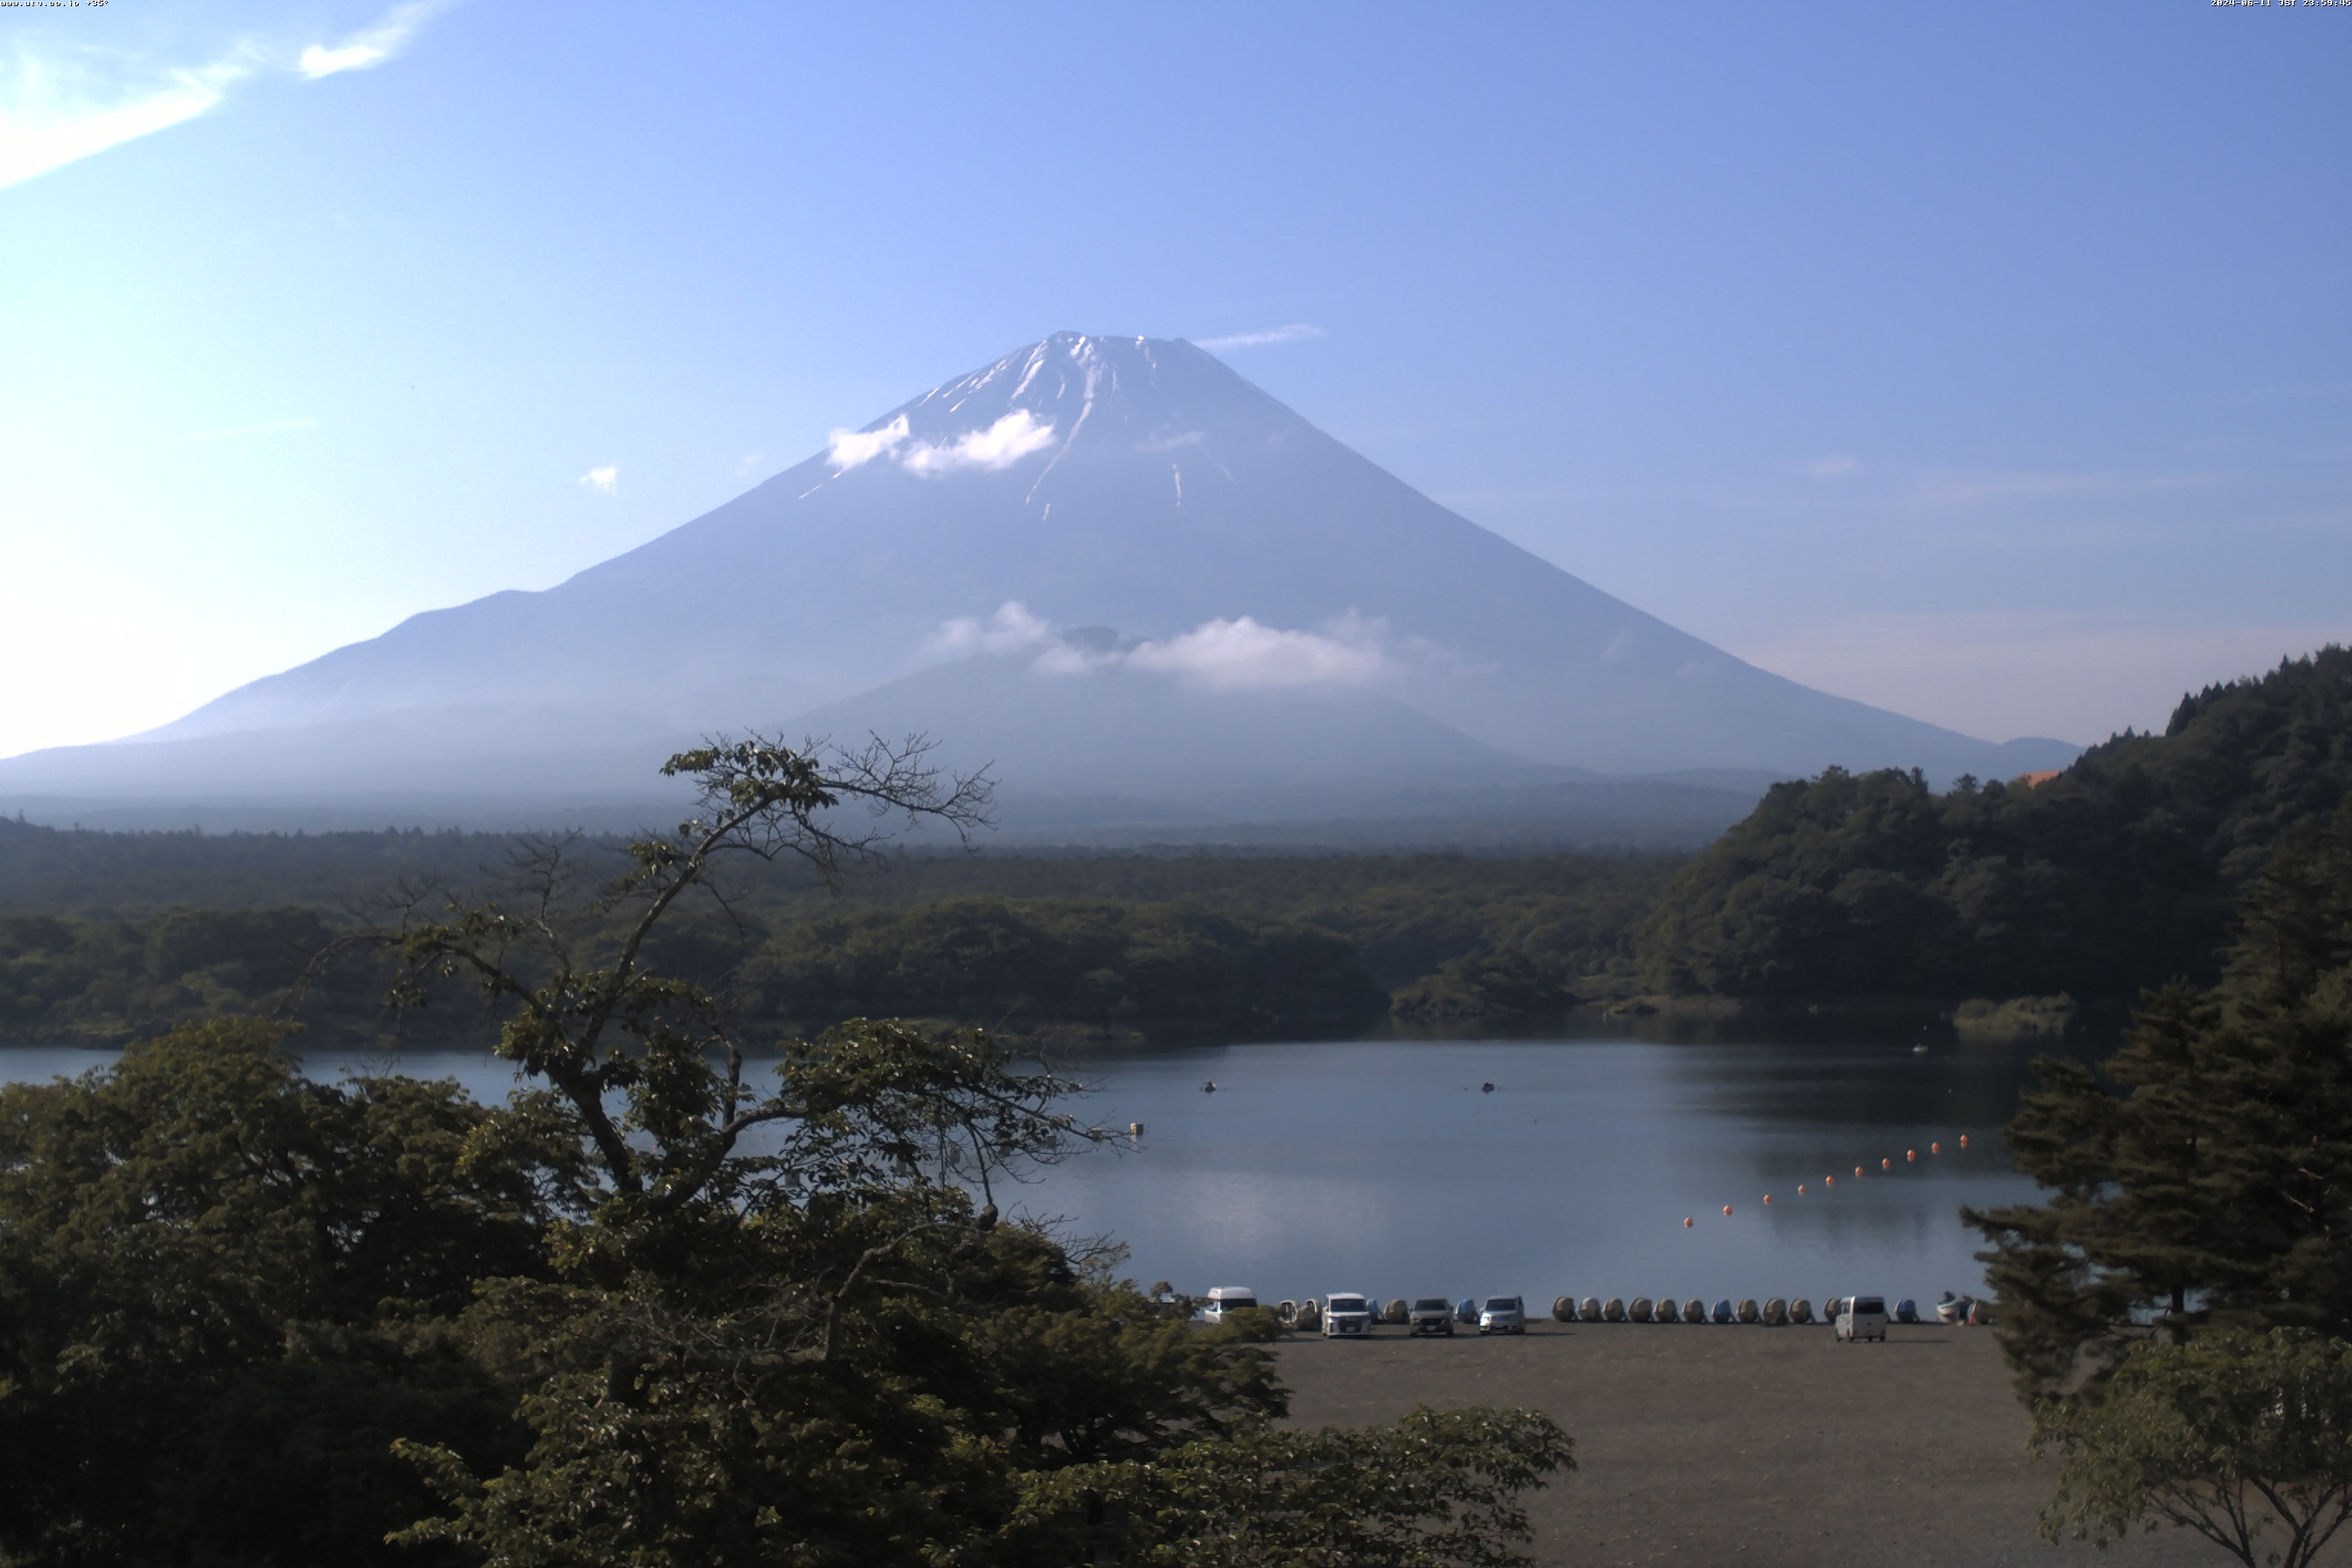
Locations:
{"points": [[2116, 875], [2119, 873], [1272, 947]]}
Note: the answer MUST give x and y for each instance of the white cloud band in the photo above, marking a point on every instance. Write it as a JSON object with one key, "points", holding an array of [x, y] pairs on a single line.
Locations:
{"points": [[999, 446], [1236, 654]]}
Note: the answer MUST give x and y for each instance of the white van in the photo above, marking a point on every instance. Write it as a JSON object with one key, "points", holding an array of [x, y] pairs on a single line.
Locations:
{"points": [[1862, 1318], [1223, 1299], [1346, 1312]]}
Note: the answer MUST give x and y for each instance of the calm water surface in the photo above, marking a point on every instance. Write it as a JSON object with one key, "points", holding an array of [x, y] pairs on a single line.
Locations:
{"points": [[1379, 1165]]}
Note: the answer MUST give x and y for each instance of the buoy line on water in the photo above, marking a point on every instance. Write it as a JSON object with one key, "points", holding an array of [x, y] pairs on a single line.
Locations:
{"points": [[1886, 1166]]}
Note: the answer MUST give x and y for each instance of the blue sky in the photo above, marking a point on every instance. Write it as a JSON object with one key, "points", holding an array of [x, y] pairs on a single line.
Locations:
{"points": [[1992, 364]]}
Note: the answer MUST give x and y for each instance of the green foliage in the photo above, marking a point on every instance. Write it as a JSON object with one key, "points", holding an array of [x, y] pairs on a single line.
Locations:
{"points": [[2118, 874], [1157, 945], [2204, 1173], [223, 1290], [102, 980], [1431, 1490], [1158, 969], [2225, 1435]]}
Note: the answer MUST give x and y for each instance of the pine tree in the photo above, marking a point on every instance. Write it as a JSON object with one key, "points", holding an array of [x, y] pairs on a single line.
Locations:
{"points": [[2202, 1175]]}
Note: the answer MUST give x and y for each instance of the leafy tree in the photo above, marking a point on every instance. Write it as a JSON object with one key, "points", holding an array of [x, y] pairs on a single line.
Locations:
{"points": [[224, 1290], [2225, 1435], [1432, 1489], [2203, 1174]]}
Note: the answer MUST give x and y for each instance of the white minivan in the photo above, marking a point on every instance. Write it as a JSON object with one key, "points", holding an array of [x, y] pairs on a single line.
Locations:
{"points": [[1862, 1318], [1223, 1299], [1345, 1312]]}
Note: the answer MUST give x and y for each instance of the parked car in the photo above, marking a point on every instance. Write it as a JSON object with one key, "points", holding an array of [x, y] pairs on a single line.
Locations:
{"points": [[1503, 1315], [1431, 1315], [1346, 1312], [1862, 1318], [1223, 1299]]}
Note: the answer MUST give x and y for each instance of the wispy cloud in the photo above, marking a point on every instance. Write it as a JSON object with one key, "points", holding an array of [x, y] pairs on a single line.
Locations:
{"points": [[749, 464], [1835, 466], [997, 445], [55, 110], [371, 47], [1298, 332], [1243, 654], [1001, 446], [1227, 655], [1011, 629], [847, 449], [605, 481], [275, 427], [58, 107]]}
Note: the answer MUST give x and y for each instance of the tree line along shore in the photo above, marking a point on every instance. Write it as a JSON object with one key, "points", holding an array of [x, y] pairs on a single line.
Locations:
{"points": [[2001, 903]]}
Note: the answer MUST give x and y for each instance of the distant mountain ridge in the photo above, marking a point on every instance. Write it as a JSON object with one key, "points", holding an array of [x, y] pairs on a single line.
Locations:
{"points": [[1109, 565]]}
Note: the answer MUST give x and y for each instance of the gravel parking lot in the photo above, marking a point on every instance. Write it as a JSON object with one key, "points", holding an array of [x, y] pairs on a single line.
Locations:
{"points": [[1705, 1445]]}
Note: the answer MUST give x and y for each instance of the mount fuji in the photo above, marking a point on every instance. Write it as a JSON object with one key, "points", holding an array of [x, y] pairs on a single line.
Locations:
{"points": [[1143, 590]]}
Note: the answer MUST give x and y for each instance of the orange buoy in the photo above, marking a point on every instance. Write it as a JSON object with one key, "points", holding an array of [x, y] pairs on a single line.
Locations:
{"points": [[1726, 1211], [1828, 1180], [1801, 1189], [1935, 1148], [1909, 1155], [1686, 1222], [1857, 1170], [1964, 1140], [1886, 1164]]}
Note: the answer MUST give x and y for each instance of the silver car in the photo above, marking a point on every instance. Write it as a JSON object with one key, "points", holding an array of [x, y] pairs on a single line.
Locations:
{"points": [[1432, 1315], [1503, 1315]]}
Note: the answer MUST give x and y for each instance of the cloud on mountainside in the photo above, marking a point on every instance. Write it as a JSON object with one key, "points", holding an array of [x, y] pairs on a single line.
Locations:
{"points": [[57, 108], [1298, 332], [1241, 654], [847, 449], [999, 445]]}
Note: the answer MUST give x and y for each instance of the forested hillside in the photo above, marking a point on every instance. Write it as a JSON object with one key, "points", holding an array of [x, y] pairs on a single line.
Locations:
{"points": [[1166, 946], [2116, 874]]}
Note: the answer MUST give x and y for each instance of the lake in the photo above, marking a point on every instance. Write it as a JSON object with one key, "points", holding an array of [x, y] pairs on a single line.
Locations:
{"points": [[1381, 1166]]}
